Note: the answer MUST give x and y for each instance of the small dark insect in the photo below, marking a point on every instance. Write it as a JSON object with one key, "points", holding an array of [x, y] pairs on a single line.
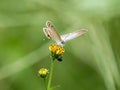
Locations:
{"points": [[59, 58]]}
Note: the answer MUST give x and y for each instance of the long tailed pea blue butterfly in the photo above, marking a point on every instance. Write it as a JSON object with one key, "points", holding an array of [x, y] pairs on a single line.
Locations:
{"points": [[52, 33]]}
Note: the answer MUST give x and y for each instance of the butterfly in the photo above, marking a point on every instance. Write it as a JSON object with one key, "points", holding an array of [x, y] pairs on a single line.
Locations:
{"points": [[51, 33]]}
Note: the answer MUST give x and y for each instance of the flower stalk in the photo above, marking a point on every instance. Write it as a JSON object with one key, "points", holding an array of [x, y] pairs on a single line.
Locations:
{"points": [[56, 54], [51, 73]]}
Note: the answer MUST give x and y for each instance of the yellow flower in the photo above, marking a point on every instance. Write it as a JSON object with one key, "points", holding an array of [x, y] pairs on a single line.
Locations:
{"points": [[56, 49], [43, 72]]}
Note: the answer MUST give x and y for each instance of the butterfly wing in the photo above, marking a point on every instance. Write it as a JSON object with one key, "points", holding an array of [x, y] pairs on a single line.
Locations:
{"points": [[47, 32], [51, 32], [73, 35]]}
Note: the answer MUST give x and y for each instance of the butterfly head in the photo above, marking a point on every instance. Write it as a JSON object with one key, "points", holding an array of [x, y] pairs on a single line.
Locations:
{"points": [[60, 43]]}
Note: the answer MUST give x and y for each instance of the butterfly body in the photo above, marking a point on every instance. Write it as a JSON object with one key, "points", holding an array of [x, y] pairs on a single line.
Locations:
{"points": [[52, 33]]}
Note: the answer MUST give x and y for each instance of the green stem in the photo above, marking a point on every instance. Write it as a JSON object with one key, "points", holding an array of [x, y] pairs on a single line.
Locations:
{"points": [[45, 83], [51, 73]]}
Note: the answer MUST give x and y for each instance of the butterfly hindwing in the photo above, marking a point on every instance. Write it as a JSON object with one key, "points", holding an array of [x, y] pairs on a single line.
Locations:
{"points": [[72, 35], [47, 33]]}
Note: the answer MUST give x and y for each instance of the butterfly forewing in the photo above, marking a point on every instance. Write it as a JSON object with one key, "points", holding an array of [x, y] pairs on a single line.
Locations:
{"points": [[53, 33]]}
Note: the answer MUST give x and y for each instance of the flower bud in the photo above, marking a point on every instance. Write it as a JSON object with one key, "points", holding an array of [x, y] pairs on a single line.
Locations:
{"points": [[43, 72]]}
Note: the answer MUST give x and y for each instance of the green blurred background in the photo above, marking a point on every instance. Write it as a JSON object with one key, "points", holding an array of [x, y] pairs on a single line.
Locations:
{"points": [[90, 62]]}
